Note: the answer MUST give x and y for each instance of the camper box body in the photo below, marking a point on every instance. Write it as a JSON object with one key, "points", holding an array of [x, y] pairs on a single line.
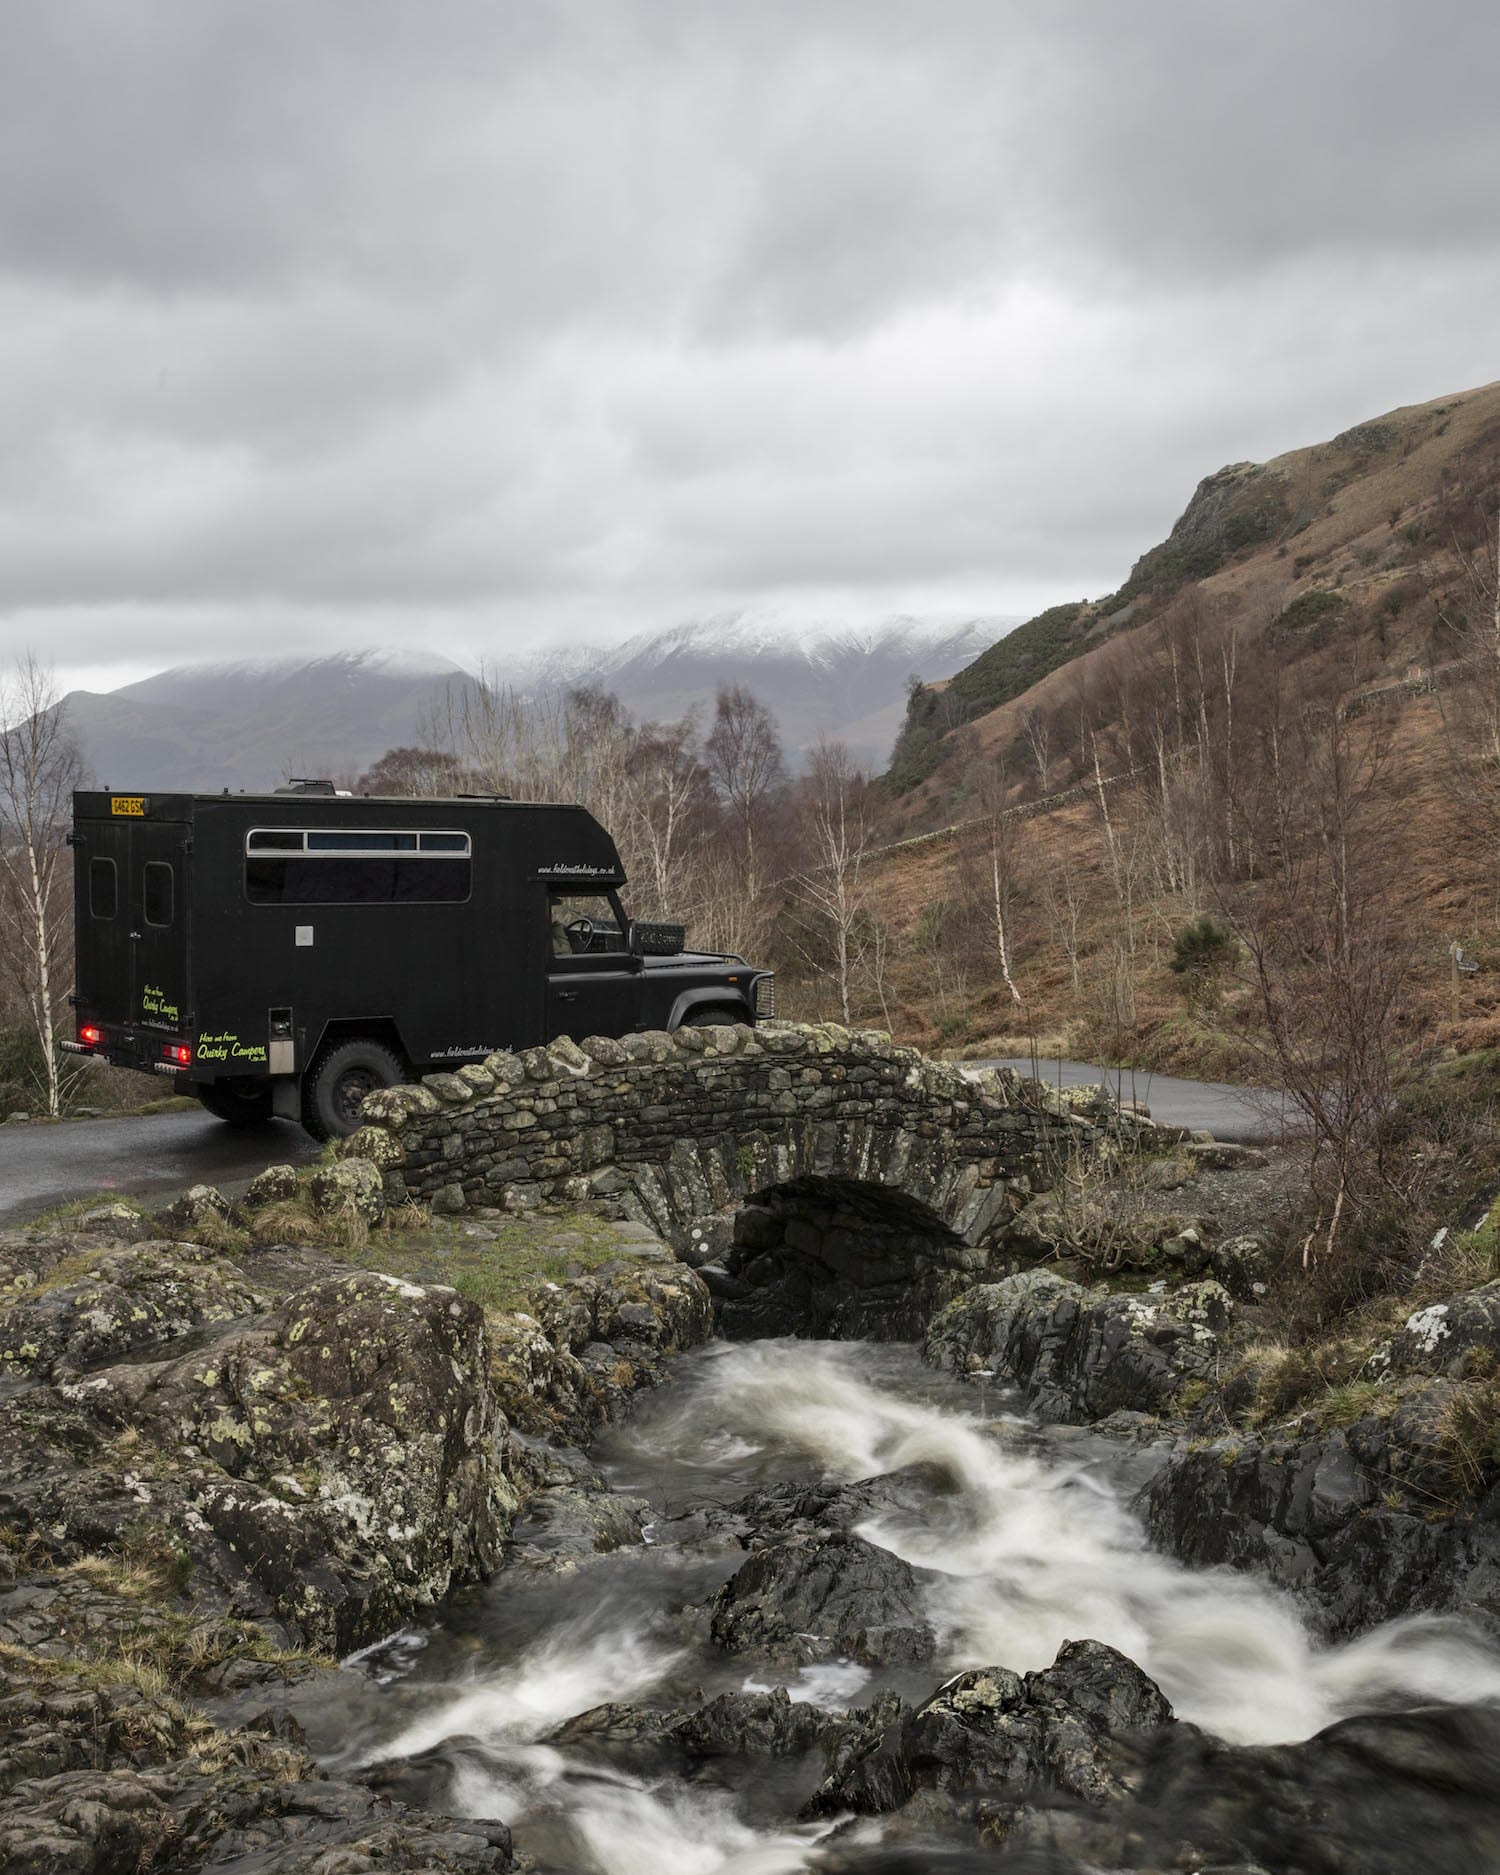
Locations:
{"points": [[233, 941]]}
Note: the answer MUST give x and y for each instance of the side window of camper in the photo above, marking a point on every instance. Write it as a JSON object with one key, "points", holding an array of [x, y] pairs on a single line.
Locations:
{"points": [[104, 888], [347, 866], [157, 893]]}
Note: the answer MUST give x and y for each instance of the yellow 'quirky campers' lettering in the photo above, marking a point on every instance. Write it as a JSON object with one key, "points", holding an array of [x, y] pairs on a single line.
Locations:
{"points": [[154, 1003], [227, 1047], [132, 806]]}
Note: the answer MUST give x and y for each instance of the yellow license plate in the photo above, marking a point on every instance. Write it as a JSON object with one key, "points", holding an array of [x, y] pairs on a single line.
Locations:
{"points": [[131, 805]]}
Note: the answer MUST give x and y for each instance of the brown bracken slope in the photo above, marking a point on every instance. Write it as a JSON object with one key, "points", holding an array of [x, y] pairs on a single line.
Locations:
{"points": [[1361, 568], [1353, 548]]}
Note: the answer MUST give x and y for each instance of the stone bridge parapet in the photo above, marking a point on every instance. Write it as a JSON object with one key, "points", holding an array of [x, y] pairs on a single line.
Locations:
{"points": [[684, 1131]]}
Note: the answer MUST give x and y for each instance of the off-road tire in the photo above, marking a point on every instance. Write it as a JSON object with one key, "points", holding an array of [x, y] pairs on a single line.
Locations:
{"points": [[339, 1081], [714, 1018], [237, 1103]]}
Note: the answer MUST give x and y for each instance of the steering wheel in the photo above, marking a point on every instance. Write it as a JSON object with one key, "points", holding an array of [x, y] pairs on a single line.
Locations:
{"points": [[580, 932]]}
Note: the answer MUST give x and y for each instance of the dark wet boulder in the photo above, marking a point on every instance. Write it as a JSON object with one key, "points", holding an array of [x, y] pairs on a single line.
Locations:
{"points": [[816, 1508], [1343, 1517], [805, 1599], [1389, 1794], [105, 1775], [562, 1524], [573, 1362], [990, 1735], [1080, 1354], [733, 1728], [325, 1465]]}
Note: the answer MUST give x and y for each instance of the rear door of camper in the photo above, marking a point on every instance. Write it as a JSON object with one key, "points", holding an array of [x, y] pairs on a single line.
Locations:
{"points": [[132, 904]]}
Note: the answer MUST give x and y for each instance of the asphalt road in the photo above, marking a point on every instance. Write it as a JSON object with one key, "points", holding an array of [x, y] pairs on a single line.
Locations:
{"points": [[1238, 1113], [42, 1166]]}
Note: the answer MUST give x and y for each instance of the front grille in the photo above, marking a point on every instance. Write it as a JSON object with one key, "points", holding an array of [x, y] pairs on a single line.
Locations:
{"points": [[765, 998]]}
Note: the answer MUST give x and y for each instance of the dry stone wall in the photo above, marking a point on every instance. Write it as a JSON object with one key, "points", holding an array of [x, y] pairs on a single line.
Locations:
{"points": [[678, 1131]]}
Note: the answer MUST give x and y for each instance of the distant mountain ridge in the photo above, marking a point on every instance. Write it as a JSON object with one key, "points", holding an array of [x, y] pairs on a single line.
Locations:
{"points": [[251, 722]]}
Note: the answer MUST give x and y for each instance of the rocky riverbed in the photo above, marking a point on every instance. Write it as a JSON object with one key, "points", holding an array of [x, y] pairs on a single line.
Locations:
{"points": [[309, 1565]]}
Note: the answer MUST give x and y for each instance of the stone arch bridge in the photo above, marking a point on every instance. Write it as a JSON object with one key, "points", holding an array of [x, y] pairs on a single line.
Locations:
{"points": [[830, 1180]]}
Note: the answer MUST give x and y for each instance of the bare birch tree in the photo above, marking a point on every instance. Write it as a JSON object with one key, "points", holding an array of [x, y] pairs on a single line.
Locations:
{"points": [[39, 769], [1331, 953], [668, 810], [994, 832], [830, 887], [746, 764]]}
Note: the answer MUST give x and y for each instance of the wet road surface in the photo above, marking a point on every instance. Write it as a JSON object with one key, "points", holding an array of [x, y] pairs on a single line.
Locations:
{"points": [[1238, 1113], [140, 1157]]}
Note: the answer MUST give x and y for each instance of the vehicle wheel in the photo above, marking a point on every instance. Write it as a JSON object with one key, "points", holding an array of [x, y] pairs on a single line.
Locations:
{"points": [[237, 1103], [333, 1092], [714, 1018]]}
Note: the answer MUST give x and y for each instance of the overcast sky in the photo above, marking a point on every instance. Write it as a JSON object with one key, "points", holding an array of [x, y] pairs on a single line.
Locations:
{"points": [[467, 326]]}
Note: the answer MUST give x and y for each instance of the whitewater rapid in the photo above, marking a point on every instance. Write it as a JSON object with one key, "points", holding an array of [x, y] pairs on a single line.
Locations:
{"points": [[1030, 1541]]}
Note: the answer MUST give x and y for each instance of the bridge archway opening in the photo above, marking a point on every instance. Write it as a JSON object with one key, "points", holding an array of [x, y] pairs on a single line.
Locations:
{"points": [[839, 1259]]}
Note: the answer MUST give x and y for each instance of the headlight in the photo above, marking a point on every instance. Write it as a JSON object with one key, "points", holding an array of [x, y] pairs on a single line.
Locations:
{"points": [[765, 998]]}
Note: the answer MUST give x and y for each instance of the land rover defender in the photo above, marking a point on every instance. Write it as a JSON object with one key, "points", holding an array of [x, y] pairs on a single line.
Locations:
{"points": [[285, 954]]}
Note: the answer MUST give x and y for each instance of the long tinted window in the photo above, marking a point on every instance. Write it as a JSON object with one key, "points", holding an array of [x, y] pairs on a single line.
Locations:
{"points": [[312, 866], [357, 881]]}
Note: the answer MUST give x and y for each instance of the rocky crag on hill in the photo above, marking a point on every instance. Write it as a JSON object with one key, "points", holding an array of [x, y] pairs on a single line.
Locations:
{"points": [[226, 1459], [1352, 547]]}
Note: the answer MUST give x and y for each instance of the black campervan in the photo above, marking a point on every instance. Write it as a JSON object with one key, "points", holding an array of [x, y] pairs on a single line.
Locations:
{"points": [[287, 953]]}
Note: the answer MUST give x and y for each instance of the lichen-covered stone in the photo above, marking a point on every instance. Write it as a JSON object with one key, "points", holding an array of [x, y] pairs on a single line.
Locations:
{"points": [[326, 1464], [120, 1222], [274, 1185], [124, 1301], [594, 1341], [199, 1205], [567, 1057], [349, 1188], [378, 1144], [102, 1778], [1435, 1339]]}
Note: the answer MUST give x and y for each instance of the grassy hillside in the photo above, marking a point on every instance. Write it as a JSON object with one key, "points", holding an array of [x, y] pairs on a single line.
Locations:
{"points": [[1350, 550], [1115, 769]]}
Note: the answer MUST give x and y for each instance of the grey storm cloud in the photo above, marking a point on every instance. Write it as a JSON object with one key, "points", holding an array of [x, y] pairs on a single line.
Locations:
{"points": [[452, 323]]}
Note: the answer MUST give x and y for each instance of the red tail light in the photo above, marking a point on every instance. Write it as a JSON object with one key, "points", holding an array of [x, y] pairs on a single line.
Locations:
{"points": [[90, 1036], [179, 1053]]}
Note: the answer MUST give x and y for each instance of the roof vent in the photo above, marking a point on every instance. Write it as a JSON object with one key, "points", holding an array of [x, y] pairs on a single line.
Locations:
{"points": [[299, 784]]}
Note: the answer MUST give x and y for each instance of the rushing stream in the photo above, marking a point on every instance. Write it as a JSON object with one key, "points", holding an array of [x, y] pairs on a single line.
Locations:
{"points": [[1031, 1543]]}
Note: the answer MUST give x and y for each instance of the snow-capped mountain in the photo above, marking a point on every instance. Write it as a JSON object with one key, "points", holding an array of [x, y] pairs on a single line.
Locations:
{"points": [[843, 682], [249, 723]]}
